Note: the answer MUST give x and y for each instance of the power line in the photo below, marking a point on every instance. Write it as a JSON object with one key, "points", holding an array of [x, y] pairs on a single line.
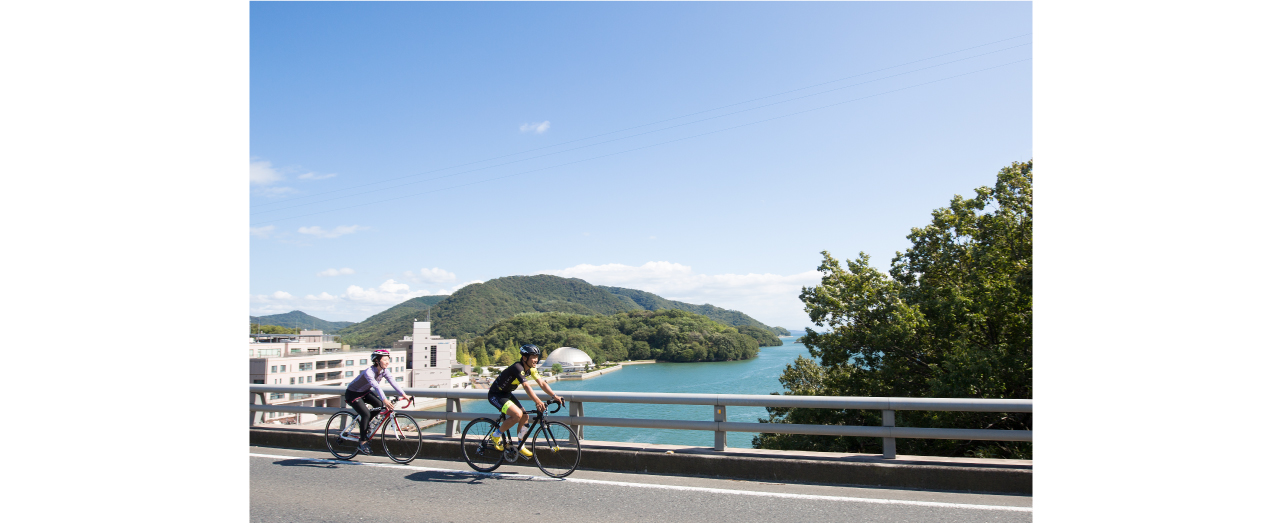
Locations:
{"points": [[647, 146], [629, 136], [650, 123]]}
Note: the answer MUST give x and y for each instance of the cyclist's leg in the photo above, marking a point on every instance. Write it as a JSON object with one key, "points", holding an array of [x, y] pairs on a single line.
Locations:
{"points": [[354, 400], [514, 414], [372, 399]]}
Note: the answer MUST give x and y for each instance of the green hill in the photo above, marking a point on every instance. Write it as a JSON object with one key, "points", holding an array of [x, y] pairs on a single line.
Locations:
{"points": [[300, 320], [474, 309], [653, 302]]}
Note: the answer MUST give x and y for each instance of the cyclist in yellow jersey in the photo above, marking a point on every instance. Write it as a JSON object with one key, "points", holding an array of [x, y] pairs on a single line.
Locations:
{"points": [[513, 377]]}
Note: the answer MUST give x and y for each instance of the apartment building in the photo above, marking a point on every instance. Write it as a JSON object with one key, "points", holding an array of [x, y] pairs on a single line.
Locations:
{"points": [[312, 358]]}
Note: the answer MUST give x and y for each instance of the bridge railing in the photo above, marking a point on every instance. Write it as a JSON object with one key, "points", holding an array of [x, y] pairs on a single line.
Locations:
{"points": [[719, 403]]}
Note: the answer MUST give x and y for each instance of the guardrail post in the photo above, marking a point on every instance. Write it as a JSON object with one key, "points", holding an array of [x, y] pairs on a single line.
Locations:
{"points": [[575, 411], [890, 444], [257, 398], [451, 426], [721, 435]]}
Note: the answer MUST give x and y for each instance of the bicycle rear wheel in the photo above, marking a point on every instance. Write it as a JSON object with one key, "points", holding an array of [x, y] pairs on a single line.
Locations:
{"points": [[342, 434], [556, 449], [477, 447], [401, 438]]}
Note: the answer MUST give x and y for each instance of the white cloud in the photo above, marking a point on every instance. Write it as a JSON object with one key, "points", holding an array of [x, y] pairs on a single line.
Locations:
{"points": [[324, 296], [336, 272], [537, 128], [281, 295], [262, 232], [314, 176], [770, 298], [389, 293], [445, 292], [318, 232], [261, 173], [435, 275]]}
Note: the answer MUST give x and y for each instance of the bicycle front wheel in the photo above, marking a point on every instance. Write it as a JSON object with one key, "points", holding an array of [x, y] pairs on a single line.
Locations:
{"points": [[342, 434], [556, 449], [477, 445], [401, 438]]}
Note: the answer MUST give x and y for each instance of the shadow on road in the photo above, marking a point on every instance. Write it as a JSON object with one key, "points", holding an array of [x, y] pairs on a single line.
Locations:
{"points": [[305, 463], [469, 477]]}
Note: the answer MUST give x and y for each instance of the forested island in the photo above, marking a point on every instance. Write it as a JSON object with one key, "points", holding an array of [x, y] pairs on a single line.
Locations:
{"points": [[665, 335]]}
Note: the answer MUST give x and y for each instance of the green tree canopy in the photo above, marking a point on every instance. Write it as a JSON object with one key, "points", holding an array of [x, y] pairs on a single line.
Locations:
{"points": [[952, 319]]}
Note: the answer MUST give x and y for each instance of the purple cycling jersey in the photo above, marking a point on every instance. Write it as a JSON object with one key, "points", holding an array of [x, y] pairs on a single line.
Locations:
{"points": [[367, 379]]}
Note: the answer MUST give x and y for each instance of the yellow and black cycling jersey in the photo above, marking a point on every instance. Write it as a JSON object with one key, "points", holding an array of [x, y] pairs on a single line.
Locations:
{"points": [[511, 378]]}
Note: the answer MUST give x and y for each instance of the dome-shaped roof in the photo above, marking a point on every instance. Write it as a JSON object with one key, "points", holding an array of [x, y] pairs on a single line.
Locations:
{"points": [[566, 357]]}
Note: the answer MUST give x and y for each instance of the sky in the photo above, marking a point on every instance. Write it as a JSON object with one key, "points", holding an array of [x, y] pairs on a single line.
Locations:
{"points": [[705, 152]]}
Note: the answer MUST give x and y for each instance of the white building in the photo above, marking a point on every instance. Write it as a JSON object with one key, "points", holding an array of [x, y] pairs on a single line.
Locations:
{"points": [[431, 358], [569, 358]]}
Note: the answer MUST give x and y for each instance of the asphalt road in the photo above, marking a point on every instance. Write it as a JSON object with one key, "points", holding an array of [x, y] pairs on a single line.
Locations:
{"points": [[310, 486]]}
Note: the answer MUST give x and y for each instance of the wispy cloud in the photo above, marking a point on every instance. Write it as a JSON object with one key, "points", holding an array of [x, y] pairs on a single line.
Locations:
{"points": [[435, 275], [324, 296], [770, 298], [336, 272], [314, 176], [262, 232], [341, 230], [261, 173], [537, 128], [389, 293]]}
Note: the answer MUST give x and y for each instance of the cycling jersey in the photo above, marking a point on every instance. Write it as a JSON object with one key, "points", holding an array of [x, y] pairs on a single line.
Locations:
{"points": [[511, 379], [368, 380]]}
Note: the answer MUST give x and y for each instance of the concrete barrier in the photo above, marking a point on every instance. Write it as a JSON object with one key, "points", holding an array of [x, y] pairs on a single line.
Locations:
{"points": [[868, 470]]}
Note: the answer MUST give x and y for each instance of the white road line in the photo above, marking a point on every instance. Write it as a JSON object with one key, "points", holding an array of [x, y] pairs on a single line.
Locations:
{"points": [[655, 486]]}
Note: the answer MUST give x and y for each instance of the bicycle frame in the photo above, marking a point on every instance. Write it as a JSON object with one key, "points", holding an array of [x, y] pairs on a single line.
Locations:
{"points": [[538, 421], [388, 416]]}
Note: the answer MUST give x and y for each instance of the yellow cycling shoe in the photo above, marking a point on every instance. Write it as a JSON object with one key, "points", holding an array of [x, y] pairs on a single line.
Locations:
{"points": [[526, 452], [497, 442]]}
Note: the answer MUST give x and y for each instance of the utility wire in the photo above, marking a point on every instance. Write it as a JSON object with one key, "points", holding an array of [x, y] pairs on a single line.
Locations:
{"points": [[631, 136], [648, 146], [644, 125]]}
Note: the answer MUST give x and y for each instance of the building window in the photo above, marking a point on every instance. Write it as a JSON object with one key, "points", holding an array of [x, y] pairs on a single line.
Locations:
{"points": [[291, 381], [258, 382], [319, 364], [399, 378], [433, 355], [273, 369], [364, 362], [277, 395], [349, 374], [305, 366]]}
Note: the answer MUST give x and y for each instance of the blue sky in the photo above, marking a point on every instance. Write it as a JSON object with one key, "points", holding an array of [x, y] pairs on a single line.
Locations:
{"points": [[705, 152]]}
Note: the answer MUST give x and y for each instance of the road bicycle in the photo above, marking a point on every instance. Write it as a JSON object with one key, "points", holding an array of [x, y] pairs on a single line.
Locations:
{"points": [[555, 446], [401, 437]]}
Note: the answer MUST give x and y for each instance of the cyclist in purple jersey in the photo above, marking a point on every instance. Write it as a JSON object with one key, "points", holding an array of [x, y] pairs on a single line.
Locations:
{"points": [[507, 382], [365, 389]]}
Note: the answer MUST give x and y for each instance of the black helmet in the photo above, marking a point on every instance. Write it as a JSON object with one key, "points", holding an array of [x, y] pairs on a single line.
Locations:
{"points": [[530, 349]]}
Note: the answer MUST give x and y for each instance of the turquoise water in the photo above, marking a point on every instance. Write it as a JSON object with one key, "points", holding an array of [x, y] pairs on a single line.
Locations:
{"points": [[755, 376]]}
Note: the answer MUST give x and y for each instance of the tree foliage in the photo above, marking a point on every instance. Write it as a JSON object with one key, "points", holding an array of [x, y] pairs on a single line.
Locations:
{"points": [[952, 319], [668, 335], [255, 328]]}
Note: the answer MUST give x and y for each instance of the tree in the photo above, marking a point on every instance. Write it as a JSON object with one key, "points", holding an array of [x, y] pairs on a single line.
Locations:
{"points": [[507, 358], [952, 319], [556, 368]]}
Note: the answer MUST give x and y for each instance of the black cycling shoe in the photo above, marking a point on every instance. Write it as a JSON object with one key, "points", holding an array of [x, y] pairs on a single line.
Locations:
{"points": [[364, 447]]}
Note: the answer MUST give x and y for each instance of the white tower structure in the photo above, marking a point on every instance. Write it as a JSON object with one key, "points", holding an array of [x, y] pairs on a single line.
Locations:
{"points": [[431, 358]]}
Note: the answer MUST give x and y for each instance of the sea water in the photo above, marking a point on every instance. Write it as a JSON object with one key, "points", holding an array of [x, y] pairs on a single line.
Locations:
{"points": [[758, 375]]}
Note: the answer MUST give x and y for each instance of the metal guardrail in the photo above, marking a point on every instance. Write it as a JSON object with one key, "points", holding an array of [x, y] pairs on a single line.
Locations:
{"points": [[576, 418]]}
